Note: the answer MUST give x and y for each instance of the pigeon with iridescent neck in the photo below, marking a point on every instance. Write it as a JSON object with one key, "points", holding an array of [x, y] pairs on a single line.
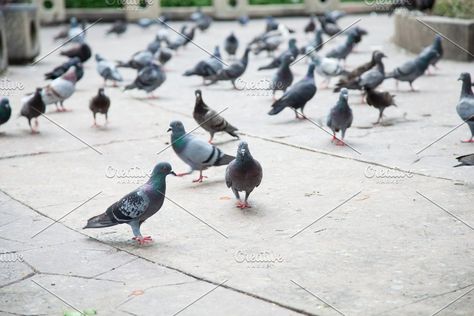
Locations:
{"points": [[137, 206], [244, 173], [465, 106]]}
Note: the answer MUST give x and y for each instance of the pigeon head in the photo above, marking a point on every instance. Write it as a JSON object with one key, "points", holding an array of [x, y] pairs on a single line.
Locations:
{"points": [[344, 95], [378, 55], [98, 57], [292, 42], [162, 169], [287, 58], [465, 77], [177, 128], [4, 103], [243, 152]]}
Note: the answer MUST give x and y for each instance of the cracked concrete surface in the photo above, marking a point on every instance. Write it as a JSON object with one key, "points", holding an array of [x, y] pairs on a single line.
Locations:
{"points": [[387, 251]]}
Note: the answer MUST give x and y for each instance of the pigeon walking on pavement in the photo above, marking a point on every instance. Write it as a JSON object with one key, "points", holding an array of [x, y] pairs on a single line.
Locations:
{"points": [[32, 108], [100, 104], [244, 173], [60, 89], [210, 120], [82, 50], [465, 160], [61, 69], [5, 110], [118, 28], [231, 45], [340, 118], [311, 26], [465, 106], [208, 67], [107, 70], [379, 100], [148, 79], [283, 78], [276, 62], [437, 47], [196, 153], [137, 206], [231, 73], [343, 50]]}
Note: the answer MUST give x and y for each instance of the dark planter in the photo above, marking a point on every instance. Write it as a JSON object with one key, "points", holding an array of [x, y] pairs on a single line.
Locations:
{"points": [[23, 43]]}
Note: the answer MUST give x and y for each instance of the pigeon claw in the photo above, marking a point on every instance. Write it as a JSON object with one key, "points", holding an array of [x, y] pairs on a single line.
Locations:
{"points": [[471, 140], [242, 205], [143, 240], [200, 179]]}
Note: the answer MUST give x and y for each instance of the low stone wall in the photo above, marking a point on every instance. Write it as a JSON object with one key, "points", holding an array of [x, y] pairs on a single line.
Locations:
{"points": [[412, 34]]}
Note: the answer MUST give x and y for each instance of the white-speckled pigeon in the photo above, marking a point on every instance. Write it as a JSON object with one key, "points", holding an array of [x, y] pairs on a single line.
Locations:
{"points": [[33, 106], [107, 70], [197, 154], [137, 206], [465, 107], [244, 173], [340, 118], [149, 78]]}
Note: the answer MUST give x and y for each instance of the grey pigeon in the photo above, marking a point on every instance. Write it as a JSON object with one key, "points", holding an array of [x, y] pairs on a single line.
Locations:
{"points": [[334, 15], [244, 173], [311, 26], [149, 78], [297, 95], [357, 32], [231, 73], [243, 20], [231, 44], [466, 160], [145, 23], [100, 104], [119, 27], [375, 76], [76, 32], [208, 67], [326, 67], [340, 118], [82, 50], [107, 70], [204, 22], [179, 40], [137, 206], [413, 69], [32, 108], [314, 45], [61, 69], [154, 45], [5, 110], [465, 106], [283, 77], [60, 89], [138, 61], [210, 120], [277, 61], [329, 27], [379, 100], [197, 154], [437, 47], [343, 50]]}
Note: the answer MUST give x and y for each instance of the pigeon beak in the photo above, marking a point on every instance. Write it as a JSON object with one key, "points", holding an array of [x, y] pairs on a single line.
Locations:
{"points": [[173, 173], [459, 79], [169, 130]]}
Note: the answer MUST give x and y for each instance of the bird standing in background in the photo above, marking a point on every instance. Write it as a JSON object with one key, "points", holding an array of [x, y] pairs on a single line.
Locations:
{"points": [[437, 47], [231, 45], [340, 118], [32, 108], [232, 72], [244, 173], [283, 78], [61, 69], [60, 89], [465, 106], [311, 26], [119, 27], [107, 70], [137, 206], [82, 50], [148, 79], [100, 104]]}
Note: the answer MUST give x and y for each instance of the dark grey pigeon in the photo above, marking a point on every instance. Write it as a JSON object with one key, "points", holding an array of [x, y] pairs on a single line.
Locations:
{"points": [[340, 118], [32, 108], [298, 95], [315, 45], [196, 153], [283, 77], [62, 69], [379, 100], [232, 72], [231, 44], [208, 119], [208, 67], [436, 47], [343, 50], [374, 77], [149, 78], [465, 107], [466, 160], [311, 26], [413, 69], [244, 173], [137, 206], [119, 27], [100, 104], [138, 61], [5, 110], [81, 50], [277, 61], [329, 27]]}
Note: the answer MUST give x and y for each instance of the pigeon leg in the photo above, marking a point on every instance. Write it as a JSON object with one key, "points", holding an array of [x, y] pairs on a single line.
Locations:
{"points": [[33, 131], [470, 140], [106, 119], [95, 121], [396, 84], [58, 109], [340, 142], [212, 137], [239, 203], [412, 87], [62, 107], [36, 122], [138, 235], [201, 177], [246, 204], [333, 137]]}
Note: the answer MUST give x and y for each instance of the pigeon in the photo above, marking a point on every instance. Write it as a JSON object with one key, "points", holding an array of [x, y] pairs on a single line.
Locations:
{"points": [[76, 32], [198, 154], [466, 160], [107, 70], [413, 69], [32, 108], [315, 45], [297, 95], [269, 41], [357, 32], [349, 79], [243, 20], [208, 67], [232, 72], [100, 104], [204, 22], [340, 117], [155, 45], [283, 77], [137, 206], [63, 34], [145, 23], [465, 106], [196, 15], [244, 173], [60, 70], [334, 15], [82, 50], [375, 76], [231, 44], [329, 27], [379, 100], [5, 110], [163, 55], [270, 24], [276, 62], [437, 47], [326, 67], [311, 26], [179, 41], [60, 89], [343, 50], [210, 120], [188, 36], [149, 78], [118, 28], [138, 60]]}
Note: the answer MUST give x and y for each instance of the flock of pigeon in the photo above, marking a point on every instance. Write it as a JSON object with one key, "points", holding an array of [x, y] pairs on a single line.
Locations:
{"points": [[243, 173]]}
